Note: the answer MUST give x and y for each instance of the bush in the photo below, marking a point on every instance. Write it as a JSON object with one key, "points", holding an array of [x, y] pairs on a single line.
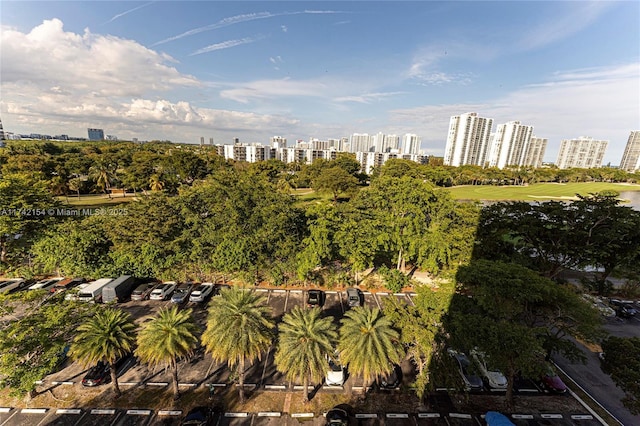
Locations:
{"points": [[394, 280]]}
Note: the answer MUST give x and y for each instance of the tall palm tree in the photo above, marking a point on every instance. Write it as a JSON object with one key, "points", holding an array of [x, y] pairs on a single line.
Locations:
{"points": [[238, 329], [104, 175], [305, 342], [107, 336], [166, 339], [368, 343]]}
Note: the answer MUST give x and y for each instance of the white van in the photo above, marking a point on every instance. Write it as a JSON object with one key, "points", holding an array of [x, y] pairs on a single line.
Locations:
{"points": [[8, 285], [93, 292]]}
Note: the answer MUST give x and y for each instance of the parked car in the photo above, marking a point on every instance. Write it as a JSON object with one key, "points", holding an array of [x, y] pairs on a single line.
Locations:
{"points": [[335, 375], [201, 293], [181, 294], [99, 373], [66, 284], [8, 285], [391, 380], [143, 291], [354, 297], [72, 294], [623, 308], [552, 382], [597, 303], [163, 291], [315, 298], [493, 378], [470, 380], [45, 284], [337, 417], [198, 416]]}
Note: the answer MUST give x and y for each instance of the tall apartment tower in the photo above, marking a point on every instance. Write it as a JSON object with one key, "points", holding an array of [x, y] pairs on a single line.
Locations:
{"points": [[410, 144], [509, 145], [631, 157], [360, 142], [535, 152], [278, 142], [379, 142], [393, 143], [468, 140], [583, 152], [95, 134]]}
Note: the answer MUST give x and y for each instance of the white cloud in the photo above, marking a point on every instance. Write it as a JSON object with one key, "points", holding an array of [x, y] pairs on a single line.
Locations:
{"points": [[81, 63], [284, 28], [226, 45], [366, 98], [263, 89]]}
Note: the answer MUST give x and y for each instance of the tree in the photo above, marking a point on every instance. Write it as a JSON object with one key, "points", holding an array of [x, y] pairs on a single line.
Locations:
{"points": [[336, 181], [32, 345], [368, 343], [24, 203], [305, 340], [75, 184], [106, 337], [166, 339], [103, 174], [514, 316], [622, 363], [239, 330]]}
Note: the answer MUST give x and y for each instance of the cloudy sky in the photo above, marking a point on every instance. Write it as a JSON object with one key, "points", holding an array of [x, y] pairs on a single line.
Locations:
{"points": [[181, 70]]}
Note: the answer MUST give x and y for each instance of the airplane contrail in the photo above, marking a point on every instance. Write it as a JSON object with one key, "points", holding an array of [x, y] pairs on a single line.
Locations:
{"points": [[119, 15]]}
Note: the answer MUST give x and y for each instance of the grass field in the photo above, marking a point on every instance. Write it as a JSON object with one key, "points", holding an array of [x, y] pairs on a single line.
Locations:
{"points": [[536, 192], [95, 200]]}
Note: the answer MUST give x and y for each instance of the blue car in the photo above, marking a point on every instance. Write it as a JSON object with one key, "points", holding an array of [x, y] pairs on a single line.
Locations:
{"points": [[181, 294]]}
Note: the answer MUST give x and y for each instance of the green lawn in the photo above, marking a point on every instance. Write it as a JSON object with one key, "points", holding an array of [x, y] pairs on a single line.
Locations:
{"points": [[95, 200], [536, 192]]}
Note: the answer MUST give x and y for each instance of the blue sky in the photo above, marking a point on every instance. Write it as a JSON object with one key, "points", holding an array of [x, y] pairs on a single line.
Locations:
{"points": [[181, 70]]}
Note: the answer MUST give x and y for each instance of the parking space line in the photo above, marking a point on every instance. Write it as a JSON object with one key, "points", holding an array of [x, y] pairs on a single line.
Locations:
{"points": [[264, 369], [286, 299], [15, 410], [341, 304], [375, 297]]}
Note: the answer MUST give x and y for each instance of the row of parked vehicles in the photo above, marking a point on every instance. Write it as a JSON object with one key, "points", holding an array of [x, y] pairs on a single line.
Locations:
{"points": [[613, 307]]}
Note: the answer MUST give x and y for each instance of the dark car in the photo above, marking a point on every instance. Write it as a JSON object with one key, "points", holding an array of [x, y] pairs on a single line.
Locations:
{"points": [[391, 380], [315, 298], [470, 380], [198, 416], [354, 297], [553, 383], [181, 294], [337, 417], [623, 309], [100, 374], [143, 291]]}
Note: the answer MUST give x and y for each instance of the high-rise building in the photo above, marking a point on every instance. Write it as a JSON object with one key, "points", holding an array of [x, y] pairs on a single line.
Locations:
{"points": [[393, 143], [2, 137], [468, 140], [509, 145], [631, 157], [535, 152], [278, 142], [96, 134], [379, 142], [410, 144], [360, 142], [583, 152]]}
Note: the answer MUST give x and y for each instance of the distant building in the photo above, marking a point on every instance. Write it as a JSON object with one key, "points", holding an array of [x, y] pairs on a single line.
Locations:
{"points": [[360, 142], [631, 157], [278, 142], [468, 140], [583, 152], [535, 152], [2, 136], [410, 144], [509, 145], [96, 134]]}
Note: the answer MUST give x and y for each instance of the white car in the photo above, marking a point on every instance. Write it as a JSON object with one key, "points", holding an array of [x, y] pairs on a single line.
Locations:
{"points": [[492, 376], [201, 292], [335, 375], [599, 304], [163, 291], [73, 294]]}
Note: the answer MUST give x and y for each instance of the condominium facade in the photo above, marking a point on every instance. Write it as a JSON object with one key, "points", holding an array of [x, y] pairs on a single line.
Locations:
{"points": [[631, 158], [535, 152], [410, 144], [468, 140], [509, 145], [583, 152]]}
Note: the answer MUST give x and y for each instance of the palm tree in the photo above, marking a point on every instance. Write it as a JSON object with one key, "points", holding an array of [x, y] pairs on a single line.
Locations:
{"points": [[103, 174], [75, 184], [305, 342], [238, 329], [368, 343], [107, 336], [156, 183], [166, 339]]}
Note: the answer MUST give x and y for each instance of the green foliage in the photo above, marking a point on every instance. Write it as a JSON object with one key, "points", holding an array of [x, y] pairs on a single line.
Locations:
{"points": [[305, 340], [622, 363], [32, 345], [106, 336], [239, 329], [336, 181], [368, 343], [394, 280]]}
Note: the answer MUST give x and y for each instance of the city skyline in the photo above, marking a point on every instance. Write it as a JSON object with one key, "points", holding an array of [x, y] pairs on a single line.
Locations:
{"points": [[179, 71]]}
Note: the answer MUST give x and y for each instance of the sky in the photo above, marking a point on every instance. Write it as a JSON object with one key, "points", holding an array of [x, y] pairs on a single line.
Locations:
{"points": [[297, 69]]}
